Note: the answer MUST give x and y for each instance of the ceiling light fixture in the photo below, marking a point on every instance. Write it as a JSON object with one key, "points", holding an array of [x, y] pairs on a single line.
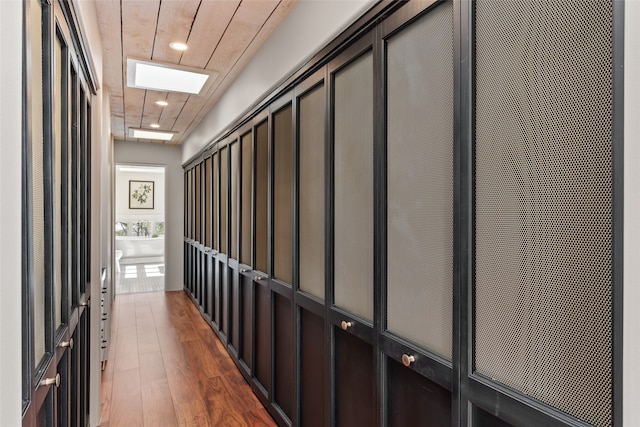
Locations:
{"points": [[166, 77], [178, 46], [162, 103], [144, 169], [154, 125], [150, 134]]}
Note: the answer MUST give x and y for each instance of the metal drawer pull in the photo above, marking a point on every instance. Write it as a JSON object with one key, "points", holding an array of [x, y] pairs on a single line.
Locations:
{"points": [[408, 359], [67, 344], [345, 325], [51, 381]]}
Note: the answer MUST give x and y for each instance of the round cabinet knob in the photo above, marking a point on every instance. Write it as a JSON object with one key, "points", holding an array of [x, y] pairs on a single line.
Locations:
{"points": [[243, 270], [86, 303], [51, 381], [258, 278], [408, 359], [345, 325], [67, 344]]}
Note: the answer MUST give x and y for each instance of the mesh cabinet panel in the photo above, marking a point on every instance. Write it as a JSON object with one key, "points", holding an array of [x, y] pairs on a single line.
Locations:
{"points": [[224, 199], [235, 182], [420, 181], [543, 265], [311, 191], [37, 182], [353, 163], [261, 226], [283, 194]]}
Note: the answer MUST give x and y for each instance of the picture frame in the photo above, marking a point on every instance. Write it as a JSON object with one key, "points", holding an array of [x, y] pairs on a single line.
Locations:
{"points": [[141, 194]]}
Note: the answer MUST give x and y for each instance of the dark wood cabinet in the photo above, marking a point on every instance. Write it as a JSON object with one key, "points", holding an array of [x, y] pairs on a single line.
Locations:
{"points": [[361, 211]]}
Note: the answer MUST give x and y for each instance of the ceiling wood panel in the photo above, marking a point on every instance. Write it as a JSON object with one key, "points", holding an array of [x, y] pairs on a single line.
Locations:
{"points": [[222, 36], [174, 25], [151, 112], [109, 17], [139, 24], [210, 24], [223, 84], [241, 32]]}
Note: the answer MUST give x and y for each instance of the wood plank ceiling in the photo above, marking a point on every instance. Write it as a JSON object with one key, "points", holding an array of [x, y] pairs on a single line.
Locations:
{"points": [[222, 35]]}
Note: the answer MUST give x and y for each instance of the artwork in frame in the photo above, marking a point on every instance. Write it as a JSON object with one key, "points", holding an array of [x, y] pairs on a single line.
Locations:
{"points": [[140, 194]]}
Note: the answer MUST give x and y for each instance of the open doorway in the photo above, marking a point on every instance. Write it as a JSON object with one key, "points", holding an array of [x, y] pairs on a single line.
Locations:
{"points": [[139, 228]]}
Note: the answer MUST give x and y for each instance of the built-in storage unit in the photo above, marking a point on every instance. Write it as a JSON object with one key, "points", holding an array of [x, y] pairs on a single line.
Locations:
{"points": [[58, 88], [422, 225]]}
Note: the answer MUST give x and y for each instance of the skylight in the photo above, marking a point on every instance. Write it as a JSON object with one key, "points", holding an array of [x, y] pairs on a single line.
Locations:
{"points": [[150, 134], [165, 77]]}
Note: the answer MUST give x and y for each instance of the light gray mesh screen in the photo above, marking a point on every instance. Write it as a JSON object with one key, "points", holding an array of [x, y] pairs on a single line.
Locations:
{"points": [[215, 232], [543, 201], [311, 191], [189, 202], [247, 168], [235, 181], [37, 180], [224, 197], [353, 139], [58, 184], [261, 225], [283, 188], [197, 194], [207, 202], [420, 181]]}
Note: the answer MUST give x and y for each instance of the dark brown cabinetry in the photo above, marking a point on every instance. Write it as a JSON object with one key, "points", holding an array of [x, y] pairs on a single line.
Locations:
{"points": [[355, 221]]}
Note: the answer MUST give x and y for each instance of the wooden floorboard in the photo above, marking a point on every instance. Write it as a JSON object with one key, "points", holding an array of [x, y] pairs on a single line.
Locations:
{"points": [[166, 367]]}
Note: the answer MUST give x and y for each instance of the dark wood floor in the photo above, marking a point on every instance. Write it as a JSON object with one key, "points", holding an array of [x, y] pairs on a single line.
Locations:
{"points": [[166, 367]]}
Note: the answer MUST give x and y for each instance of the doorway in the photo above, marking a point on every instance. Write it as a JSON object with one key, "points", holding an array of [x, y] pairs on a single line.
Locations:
{"points": [[139, 228]]}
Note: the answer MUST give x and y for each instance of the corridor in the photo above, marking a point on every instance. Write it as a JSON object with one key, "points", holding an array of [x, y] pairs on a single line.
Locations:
{"points": [[166, 367]]}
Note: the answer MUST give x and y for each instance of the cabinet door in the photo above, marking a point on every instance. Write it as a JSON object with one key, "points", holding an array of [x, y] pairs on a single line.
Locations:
{"points": [[417, 337], [57, 225], [353, 236]]}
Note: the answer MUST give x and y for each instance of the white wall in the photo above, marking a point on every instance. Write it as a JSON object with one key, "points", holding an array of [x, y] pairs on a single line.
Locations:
{"points": [[631, 338], [170, 157], [123, 213], [308, 27], [10, 213]]}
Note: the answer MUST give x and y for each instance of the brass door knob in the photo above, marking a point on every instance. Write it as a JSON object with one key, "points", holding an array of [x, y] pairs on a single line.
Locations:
{"points": [[67, 344], [408, 359], [345, 325], [51, 381]]}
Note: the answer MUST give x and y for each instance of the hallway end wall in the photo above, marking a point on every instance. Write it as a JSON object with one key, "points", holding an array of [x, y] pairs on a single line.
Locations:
{"points": [[170, 157]]}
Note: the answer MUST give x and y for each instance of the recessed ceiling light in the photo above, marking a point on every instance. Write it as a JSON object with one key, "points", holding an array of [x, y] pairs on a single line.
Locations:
{"points": [[178, 46], [166, 77], [162, 103], [154, 125], [150, 134]]}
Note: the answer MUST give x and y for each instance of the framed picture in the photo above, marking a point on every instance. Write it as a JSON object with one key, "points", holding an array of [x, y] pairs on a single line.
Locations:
{"points": [[140, 194]]}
